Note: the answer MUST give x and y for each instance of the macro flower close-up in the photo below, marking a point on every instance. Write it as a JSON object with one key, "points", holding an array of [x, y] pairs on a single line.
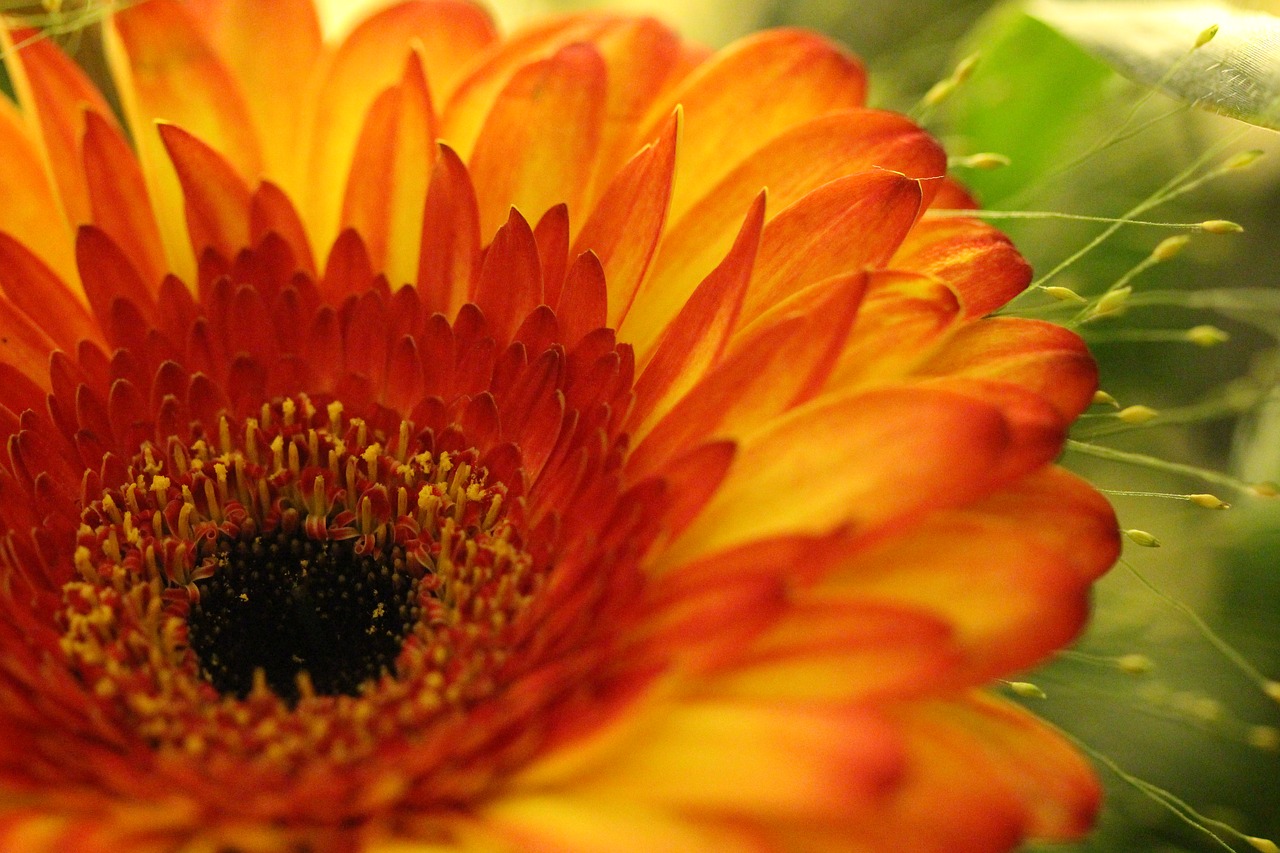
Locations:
{"points": [[420, 438]]}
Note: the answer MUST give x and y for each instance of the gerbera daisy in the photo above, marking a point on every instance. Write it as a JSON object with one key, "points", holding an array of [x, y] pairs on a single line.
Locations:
{"points": [[428, 440]]}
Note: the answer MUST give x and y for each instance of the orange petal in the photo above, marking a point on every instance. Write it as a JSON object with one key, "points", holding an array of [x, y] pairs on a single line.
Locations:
{"points": [[755, 760], [271, 49], [846, 225], [510, 283], [38, 221], [48, 301], [642, 57], [775, 366], [624, 228], [583, 299], [538, 144], [791, 166], [216, 198], [1065, 514], [752, 91], [1042, 357], [55, 93], [971, 256], [26, 346], [984, 776], [166, 71], [696, 339], [835, 651], [472, 100], [119, 200], [271, 212], [368, 61], [574, 823], [1010, 600], [896, 452], [387, 185], [450, 256], [903, 318]]}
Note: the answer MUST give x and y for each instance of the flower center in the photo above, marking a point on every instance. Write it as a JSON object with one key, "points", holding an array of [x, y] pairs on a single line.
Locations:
{"points": [[286, 604], [293, 585]]}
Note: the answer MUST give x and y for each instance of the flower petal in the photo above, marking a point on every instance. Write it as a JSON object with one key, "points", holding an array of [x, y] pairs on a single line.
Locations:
{"points": [[748, 93], [118, 197], [774, 366], [390, 173], [1043, 357], [755, 760], [38, 221], [166, 71], [695, 341], [215, 198], [984, 776], [791, 166], [626, 224], [971, 256], [369, 60], [449, 260], [905, 451], [48, 301], [55, 93], [575, 823], [245, 33], [842, 227], [550, 113]]}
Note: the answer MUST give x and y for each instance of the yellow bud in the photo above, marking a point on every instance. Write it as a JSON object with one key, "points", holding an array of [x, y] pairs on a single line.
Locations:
{"points": [[1243, 160], [1102, 398], [1272, 689], [1135, 664], [1206, 36], [965, 67], [1209, 501], [1026, 689], [1063, 294], [1221, 226], [1207, 336], [986, 160], [940, 91], [1111, 302], [1137, 414], [1265, 490], [1263, 844], [1143, 538], [1169, 248]]}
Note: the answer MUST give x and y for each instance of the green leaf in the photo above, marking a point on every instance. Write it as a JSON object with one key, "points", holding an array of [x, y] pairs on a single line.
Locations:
{"points": [[1171, 44]]}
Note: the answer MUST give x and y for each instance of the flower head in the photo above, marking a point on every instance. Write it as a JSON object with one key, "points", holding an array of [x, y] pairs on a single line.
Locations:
{"points": [[548, 486]]}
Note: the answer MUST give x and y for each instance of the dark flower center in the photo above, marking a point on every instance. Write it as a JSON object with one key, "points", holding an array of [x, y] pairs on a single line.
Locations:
{"points": [[286, 604]]}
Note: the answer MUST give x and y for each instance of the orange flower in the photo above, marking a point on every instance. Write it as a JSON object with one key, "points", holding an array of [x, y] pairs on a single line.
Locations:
{"points": [[594, 503]]}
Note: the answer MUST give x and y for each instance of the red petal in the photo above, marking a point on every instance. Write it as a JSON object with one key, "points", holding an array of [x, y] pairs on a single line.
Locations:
{"points": [[450, 257], [538, 144], [510, 284], [53, 88], [216, 198], [844, 226], [696, 339], [370, 59], [43, 297], [119, 200], [971, 256], [389, 174], [624, 228]]}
